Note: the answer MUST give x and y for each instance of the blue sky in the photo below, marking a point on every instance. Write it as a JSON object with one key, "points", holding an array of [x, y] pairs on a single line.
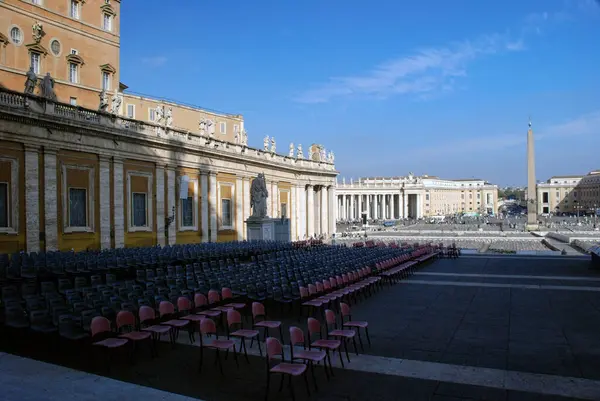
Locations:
{"points": [[432, 86]]}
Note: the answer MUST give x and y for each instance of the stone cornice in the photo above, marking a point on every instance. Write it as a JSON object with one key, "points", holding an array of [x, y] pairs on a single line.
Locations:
{"points": [[108, 68], [37, 48], [166, 143]]}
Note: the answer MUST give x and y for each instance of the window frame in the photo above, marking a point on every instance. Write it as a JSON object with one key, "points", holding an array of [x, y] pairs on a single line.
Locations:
{"points": [[133, 212], [107, 75], [75, 4], [149, 202], [37, 67], [73, 101], [152, 114], [86, 214], [12, 197], [127, 111], [194, 226], [231, 198], [90, 208], [76, 66], [283, 205], [12, 39], [223, 127], [107, 17], [8, 206]]}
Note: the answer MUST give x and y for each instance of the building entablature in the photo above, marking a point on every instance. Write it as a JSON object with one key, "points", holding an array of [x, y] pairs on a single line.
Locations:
{"points": [[75, 127]]}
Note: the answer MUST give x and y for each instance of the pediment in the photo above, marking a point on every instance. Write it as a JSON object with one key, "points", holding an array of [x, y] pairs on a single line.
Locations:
{"points": [[75, 58], [37, 48], [108, 68]]}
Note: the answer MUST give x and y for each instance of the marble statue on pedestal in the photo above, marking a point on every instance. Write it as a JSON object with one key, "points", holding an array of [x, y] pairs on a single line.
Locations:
{"points": [[170, 117], [322, 155], [310, 153], [331, 157], [116, 103], [47, 87], [202, 126], [30, 82], [244, 138], [258, 196], [160, 115], [103, 101], [37, 32], [273, 145], [291, 152], [300, 153], [266, 143]]}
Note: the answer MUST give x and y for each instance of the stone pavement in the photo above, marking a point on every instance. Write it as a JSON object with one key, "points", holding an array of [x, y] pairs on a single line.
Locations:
{"points": [[498, 328]]}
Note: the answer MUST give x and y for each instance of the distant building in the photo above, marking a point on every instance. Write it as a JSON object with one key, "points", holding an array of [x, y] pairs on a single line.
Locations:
{"points": [[570, 193], [414, 197]]}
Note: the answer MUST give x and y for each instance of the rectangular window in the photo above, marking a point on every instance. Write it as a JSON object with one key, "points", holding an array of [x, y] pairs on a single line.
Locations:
{"points": [[283, 207], [73, 73], [131, 111], [105, 81], [35, 62], [77, 207], [426, 196], [73, 101], [139, 217], [37, 2], [222, 127], [187, 212], [4, 205], [107, 22], [152, 114], [226, 212], [545, 197], [75, 9]]}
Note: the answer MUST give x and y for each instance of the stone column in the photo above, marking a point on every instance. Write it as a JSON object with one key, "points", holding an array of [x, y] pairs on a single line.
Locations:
{"points": [[246, 182], [310, 210], [368, 205], [212, 182], [376, 206], [405, 199], [352, 213], [301, 193], [324, 212], [172, 232], [104, 197], [118, 203], [239, 209], [160, 205], [292, 213], [50, 199], [32, 199], [332, 211], [343, 214], [274, 193], [204, 205]]}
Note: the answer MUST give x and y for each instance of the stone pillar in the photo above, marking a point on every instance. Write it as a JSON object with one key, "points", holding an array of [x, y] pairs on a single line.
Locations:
{"points": [[368, 205], [32, 199], [118, 203], [352, 213], [246, 182], [301, 194], [274, 193], [343, 214], [405, 201], [376, 206], [204, 206], [172, 232], [292, 213], [332, 210], [50, 199], [310, 210], [239, 209], [160, 205], [324, 211], [212, 183], [104, 197], [418, 205]]}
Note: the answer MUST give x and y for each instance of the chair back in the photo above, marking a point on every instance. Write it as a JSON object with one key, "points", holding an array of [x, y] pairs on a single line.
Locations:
{"points": [[345, 309], [233, 317], [200, 300], [258, 309], [99, 325], [146, 313], [207, 326], [296, 336], [314, 326], [183, 304], [329, 316], [213, 297], [166, 308], [274, 348], [125, 318], [226, 293]]}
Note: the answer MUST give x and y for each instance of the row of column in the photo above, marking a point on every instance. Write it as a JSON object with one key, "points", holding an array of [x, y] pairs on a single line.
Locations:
{"points": [[311, 208], [379, 206]]}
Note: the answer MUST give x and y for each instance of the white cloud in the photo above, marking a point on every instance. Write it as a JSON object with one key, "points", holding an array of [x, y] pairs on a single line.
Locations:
{"points": [[156, 61], [584, 125], [425, 72]]}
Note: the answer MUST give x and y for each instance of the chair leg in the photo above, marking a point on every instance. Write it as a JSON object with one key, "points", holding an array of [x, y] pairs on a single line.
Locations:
{"points": [[306, 383], [346, 349], [362, 348], [341, 359], [235, 356], [354, 342], [281, 383], [312, 372], [368, 339]]}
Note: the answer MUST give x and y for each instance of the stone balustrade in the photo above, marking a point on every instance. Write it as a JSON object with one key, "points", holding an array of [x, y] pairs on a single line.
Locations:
{"points": [[18, 102]]}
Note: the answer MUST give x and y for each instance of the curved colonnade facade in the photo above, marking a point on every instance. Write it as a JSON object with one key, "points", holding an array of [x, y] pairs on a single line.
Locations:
{"points": [[73, 178]]}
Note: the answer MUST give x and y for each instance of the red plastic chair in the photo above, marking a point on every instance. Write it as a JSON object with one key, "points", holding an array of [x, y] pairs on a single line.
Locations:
{"points": [[100, 326], [309, 356], [200, 301], [258, 312], [214, 299], [235, 319], [167, 316], [208, 327], [345, 311], [341, 334], [126, 325], [274, 349], [314, 326], [184, 306], [147, 323], [228, 294]]}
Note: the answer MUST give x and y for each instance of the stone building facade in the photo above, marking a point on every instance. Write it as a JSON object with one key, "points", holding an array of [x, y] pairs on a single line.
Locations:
{"points": [[570, 194], [74, 178], [413, 197]]}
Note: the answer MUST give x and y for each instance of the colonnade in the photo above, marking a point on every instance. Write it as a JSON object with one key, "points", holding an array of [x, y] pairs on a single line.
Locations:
{"points": [[379, 206]]}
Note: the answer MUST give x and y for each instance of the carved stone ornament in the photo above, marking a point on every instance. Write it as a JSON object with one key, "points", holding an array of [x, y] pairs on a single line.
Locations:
{"points": [[38, 32], [103, 101]]}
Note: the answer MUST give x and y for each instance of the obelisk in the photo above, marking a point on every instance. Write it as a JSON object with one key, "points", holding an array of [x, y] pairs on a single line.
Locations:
{"points": [[532, 220]]}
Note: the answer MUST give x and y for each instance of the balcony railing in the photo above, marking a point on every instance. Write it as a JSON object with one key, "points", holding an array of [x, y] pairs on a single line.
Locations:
{"points": [[11, 101]]}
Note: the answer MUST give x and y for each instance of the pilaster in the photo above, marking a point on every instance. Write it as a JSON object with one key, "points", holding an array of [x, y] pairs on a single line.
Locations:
{"points": [[246, 182], [310, 211], [118, 203], [32, 199], [204, 205], [172, 232], [50, 199], [104, 198], [160, 205], [239, 209], [212, 183]]}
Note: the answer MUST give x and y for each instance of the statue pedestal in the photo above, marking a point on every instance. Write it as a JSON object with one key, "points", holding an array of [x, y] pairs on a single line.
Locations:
{"points": [[268, 229], [532, 227]]}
